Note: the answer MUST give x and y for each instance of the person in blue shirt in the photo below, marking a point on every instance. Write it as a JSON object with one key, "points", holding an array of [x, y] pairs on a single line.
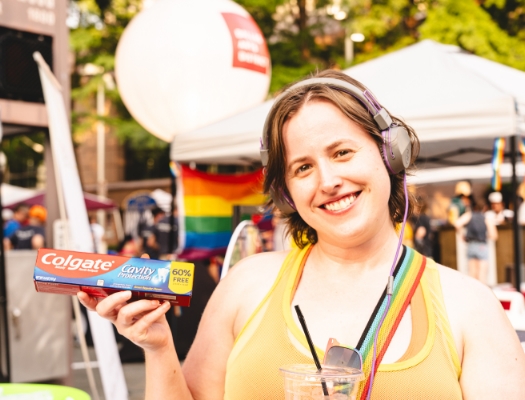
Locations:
{"points": [[20, 214], [32, 235]]}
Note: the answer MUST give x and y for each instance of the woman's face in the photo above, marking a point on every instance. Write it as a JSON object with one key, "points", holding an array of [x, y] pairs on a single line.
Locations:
{"points": [[335, 175]]}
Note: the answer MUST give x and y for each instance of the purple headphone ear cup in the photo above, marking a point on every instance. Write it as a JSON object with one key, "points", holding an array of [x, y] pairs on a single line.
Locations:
{"points": [[283, 202], [396, 149]]}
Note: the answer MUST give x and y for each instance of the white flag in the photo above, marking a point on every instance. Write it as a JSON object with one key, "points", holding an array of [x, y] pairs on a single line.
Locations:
{"points": [[74, 215]]}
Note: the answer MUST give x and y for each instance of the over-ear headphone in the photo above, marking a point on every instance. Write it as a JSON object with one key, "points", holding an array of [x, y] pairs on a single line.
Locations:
{"points": [[396, 148]]}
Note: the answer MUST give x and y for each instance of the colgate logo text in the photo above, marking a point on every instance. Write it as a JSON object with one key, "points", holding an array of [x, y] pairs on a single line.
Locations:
{"points": [[75, 263]]}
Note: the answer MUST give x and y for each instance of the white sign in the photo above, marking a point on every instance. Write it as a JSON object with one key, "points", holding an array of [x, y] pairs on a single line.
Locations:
{"points": [[181, 65], [31, 15], [79, 238]]}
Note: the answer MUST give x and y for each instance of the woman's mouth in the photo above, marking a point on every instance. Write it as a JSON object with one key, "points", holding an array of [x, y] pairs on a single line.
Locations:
{"points": [[342, 203]]}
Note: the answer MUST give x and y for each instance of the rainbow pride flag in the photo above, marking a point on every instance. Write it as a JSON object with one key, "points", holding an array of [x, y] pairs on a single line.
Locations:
{"points": [[205, 203], [498, 154]]}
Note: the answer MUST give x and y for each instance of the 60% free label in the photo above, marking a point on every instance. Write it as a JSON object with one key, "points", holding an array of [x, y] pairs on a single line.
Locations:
{"points": [[180, 275]]}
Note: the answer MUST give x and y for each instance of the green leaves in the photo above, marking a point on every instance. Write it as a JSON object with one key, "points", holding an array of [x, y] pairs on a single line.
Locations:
{"points": [[466, 24], [93, 42], [494, 29]]}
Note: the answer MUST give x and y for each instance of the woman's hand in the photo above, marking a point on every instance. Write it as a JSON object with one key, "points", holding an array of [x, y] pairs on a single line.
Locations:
{"points": [[143, 321]]}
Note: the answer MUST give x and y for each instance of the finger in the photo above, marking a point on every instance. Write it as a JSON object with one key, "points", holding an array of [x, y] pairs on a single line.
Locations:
{"points": [[87, 301], [145, 255], [132, 312], [108, 307], [144, 323]]}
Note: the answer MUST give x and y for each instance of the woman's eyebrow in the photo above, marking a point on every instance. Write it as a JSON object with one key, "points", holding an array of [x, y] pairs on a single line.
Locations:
{"points": [[348, 142], [295, 161]]}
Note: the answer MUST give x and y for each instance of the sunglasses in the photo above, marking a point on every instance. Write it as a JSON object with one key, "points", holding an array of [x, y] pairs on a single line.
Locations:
{"points": [[340, 355]]}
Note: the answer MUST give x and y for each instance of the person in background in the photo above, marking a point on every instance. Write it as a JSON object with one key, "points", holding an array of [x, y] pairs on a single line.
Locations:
{"points": [[128, 247], [479, 228], [160, 236], [281, 237], [423, 234], [7, 215], [461, 202], [32, 235], [521, 208], [97, 231], [498, 214], [19, 218], [459, 205], [146, 232]]}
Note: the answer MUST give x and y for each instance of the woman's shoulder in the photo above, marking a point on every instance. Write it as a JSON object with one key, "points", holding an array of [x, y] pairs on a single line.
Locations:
{"points": [[259, 269], [465, 295], [472, 308], [486, 337], [248, 283], [463, 290]]}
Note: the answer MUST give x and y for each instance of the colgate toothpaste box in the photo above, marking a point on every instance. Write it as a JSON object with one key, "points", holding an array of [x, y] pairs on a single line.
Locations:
{"points": [[67, 272]]}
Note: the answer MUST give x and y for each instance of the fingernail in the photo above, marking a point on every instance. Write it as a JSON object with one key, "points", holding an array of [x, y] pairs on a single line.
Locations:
{"points": [[155, 303]]}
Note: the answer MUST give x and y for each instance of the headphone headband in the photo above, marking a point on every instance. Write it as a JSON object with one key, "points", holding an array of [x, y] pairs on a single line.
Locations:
{"points": [[396, 149], [381, 116]]}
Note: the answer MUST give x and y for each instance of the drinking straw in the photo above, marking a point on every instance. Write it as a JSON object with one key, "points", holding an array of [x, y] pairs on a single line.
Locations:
{"points": [[311, 345]]}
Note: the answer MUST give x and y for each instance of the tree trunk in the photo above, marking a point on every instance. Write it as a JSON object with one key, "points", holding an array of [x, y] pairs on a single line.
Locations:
{"points": [[303, 31]]}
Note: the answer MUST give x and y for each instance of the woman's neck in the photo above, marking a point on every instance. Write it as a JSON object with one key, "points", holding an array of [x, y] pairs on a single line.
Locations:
{"points": [[370, 255]]}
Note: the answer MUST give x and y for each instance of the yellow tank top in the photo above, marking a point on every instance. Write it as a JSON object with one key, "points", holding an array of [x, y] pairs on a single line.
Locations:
{"points": [[429, 369]]}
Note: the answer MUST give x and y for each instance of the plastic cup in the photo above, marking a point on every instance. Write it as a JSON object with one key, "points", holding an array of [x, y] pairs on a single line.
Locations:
{"points": [[304, 382]]}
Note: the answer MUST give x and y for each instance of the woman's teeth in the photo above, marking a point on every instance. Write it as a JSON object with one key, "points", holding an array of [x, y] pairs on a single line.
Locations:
{"points": [[341, 204]]}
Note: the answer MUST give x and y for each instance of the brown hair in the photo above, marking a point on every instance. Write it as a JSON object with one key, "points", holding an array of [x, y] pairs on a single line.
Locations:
{"points": [[287, 107]]}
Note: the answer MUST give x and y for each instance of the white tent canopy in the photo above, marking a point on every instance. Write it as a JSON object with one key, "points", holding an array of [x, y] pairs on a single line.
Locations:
{"points": [[14, 194], [448, 96], [473, 173]]}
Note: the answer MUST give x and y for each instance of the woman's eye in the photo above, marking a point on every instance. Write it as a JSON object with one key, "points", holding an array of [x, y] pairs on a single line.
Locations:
{"points": [[342, 153], [302, 168]]}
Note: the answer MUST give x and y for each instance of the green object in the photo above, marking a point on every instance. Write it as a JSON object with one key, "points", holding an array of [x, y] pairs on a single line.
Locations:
{"points": [[31, 391], [208, 224]]}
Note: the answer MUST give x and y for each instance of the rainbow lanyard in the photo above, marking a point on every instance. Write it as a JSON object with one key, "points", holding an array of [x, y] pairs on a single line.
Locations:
{"points": [[406, 280]]}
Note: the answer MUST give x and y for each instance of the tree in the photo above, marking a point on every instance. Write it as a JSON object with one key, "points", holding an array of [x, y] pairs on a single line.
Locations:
{"points": [[471, 27], [94, 40], [302, 37], [508, 14], [97, 29]]}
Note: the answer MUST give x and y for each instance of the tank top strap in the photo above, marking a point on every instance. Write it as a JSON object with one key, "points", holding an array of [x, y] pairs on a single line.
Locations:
{"points": [[265, 343], [288, 274]]}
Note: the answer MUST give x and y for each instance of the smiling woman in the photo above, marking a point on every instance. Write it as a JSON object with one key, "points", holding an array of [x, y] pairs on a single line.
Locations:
{"points": [[350, 109], [335, 167]]}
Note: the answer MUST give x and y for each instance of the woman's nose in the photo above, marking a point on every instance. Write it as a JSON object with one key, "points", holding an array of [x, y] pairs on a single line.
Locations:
{"points": [[329, 177]]}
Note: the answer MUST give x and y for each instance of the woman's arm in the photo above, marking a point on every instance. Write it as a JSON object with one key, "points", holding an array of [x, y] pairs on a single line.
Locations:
{"points": [[164, 378], [463, 220], [204, 371], [205, 365], [230, 306]]}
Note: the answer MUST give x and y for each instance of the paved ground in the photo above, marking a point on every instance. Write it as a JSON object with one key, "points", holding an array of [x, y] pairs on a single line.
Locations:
{"points": [[133, 372]]}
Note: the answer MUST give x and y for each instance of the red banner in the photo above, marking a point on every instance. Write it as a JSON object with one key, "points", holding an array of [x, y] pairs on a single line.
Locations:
{"points": [[249, 46]]}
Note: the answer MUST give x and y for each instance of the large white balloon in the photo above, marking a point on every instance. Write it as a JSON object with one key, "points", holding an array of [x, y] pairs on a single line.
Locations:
{"points": [[182, 64]]}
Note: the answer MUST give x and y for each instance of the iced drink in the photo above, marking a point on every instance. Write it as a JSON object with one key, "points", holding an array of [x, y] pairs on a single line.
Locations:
{"points": [[304, 382]]}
